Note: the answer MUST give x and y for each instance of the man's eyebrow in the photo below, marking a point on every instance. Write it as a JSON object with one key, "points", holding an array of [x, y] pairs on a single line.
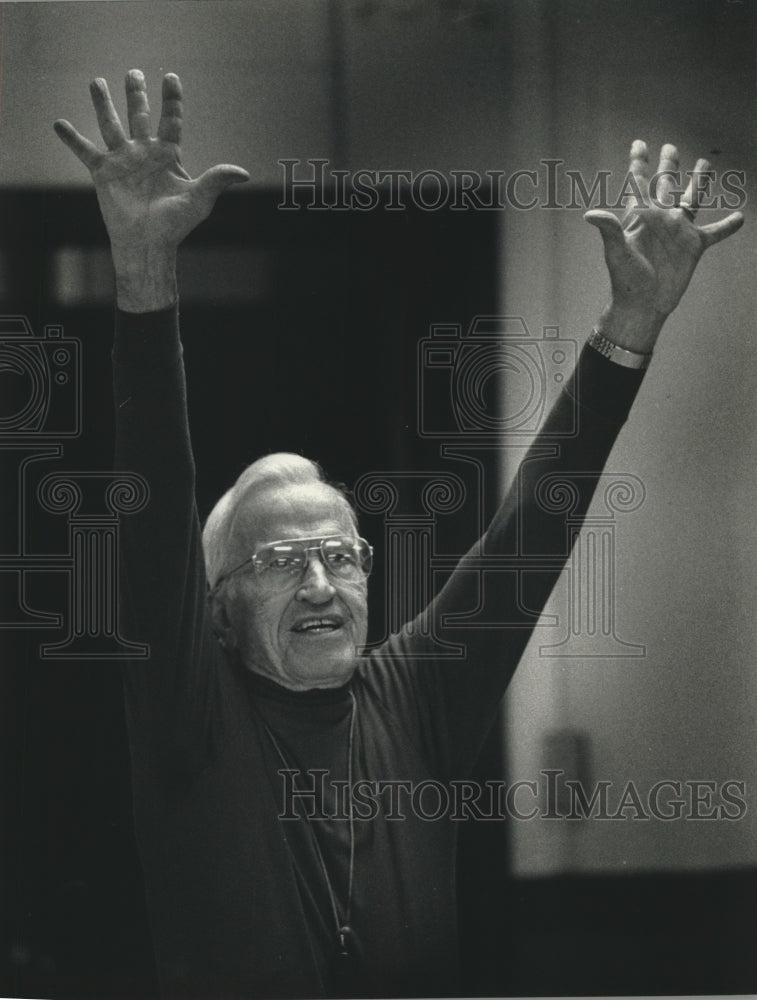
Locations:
{"points": [[307, 538]]}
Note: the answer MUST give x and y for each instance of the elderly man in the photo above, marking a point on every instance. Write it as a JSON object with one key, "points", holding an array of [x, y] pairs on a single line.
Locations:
{"points": [[260, 675]]}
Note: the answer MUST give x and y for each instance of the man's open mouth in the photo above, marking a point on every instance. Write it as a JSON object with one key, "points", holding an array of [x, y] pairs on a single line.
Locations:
{"points": [[318, 626]]}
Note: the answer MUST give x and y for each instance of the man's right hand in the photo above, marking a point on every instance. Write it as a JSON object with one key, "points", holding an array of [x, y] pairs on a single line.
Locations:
{"points": [[148, 200]]}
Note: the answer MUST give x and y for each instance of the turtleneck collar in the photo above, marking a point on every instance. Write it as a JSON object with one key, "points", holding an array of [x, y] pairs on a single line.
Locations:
{"points": [[264, 688]]}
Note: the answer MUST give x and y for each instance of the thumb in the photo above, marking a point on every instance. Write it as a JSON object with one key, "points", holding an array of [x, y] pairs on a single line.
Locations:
{"points": [[612, 234], [215, 180]]}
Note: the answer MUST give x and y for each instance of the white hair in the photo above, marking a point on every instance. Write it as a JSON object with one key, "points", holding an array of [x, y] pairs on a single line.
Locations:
{"points": [[279, 469]]}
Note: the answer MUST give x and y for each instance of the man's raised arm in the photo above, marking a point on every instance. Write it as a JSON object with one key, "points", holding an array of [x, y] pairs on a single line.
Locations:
{"points": [[149, 204], [651, 255]]}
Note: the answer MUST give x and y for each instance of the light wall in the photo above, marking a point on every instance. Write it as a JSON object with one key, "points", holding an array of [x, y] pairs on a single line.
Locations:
{"points": [[686, 560], [255, 76]]}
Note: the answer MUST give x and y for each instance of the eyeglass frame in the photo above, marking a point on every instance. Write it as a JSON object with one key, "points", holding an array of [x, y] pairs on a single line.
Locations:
{"points": [[307, 548]]}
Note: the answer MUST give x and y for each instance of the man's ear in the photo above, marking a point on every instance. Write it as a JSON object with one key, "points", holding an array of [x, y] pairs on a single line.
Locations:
{"points": [[221, 624]]}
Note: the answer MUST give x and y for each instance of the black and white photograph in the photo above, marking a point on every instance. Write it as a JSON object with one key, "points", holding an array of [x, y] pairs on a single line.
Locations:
{"points": [[378, 555]]}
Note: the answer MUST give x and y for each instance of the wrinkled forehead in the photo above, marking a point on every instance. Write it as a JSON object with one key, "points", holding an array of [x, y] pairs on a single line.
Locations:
{"points": [[303, 510]]}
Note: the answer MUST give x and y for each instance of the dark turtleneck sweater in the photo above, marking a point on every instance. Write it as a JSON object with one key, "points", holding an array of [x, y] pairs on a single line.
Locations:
{"points": [[238, 899]]}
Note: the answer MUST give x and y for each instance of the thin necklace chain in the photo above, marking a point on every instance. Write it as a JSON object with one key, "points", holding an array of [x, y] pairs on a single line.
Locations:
{"points": [[339, 925]]}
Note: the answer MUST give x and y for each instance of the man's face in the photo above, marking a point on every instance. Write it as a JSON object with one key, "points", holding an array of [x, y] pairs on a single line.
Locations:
{"points": [[303, 636]]}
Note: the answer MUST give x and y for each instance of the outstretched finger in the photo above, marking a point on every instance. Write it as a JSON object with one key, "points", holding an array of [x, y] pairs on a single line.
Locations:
{"points": [[109, 122], [169, 129], [612, 234], [137, 107], [215, 180], [699, 183], [718, 231], [82, 148], [667, 175], [639, 175]]}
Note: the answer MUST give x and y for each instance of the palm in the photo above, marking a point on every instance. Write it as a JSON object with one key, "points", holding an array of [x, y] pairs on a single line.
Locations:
{"points": [[143, 190], [662, 250]]}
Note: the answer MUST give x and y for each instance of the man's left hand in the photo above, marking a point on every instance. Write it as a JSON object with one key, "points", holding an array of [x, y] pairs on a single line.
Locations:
{"points": [[652, 253]]}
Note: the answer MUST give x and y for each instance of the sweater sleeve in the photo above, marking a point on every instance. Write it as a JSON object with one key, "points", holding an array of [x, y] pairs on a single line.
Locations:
{"points": [[169, 696], [449, 704]]}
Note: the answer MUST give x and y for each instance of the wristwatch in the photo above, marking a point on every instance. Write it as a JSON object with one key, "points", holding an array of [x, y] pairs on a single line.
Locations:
{"points": [[618, 355]]}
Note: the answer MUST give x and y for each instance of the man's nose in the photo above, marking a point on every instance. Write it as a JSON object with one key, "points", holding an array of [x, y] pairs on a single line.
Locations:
{"points": [[316, 585]]}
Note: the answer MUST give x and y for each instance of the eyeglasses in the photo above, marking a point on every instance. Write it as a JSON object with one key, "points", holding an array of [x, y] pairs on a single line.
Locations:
{"points": [[281, 563]]}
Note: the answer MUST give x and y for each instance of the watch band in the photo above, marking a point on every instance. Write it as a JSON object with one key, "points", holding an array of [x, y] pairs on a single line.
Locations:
{"points": [[618, 355]]}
